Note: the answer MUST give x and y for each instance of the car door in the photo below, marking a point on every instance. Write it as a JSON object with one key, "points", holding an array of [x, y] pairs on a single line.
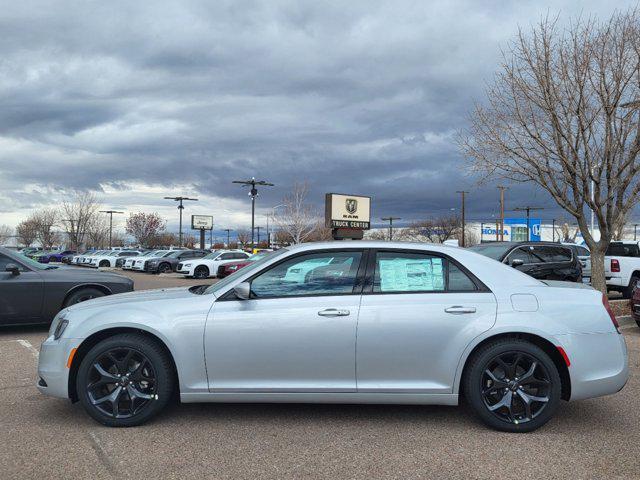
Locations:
{"points": [[419, 311], [21, 295], [295, 333], [530, 264]]}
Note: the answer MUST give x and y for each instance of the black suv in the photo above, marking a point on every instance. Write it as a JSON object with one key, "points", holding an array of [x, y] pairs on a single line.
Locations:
{"points": [[541, 260]]}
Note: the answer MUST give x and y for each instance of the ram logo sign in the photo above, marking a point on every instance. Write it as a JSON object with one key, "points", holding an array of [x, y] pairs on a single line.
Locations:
{"points": [[347, 211]]}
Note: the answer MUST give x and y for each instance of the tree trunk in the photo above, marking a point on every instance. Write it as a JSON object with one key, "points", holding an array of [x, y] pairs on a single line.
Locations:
{"points": [[598, 280]]}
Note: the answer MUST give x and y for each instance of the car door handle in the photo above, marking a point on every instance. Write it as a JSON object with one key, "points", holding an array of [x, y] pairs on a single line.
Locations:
{"points": [[334, 312], [459, 310]]}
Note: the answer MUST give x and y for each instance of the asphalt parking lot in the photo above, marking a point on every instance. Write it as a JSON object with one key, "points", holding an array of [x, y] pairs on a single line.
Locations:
{"points": [[49, 438]]}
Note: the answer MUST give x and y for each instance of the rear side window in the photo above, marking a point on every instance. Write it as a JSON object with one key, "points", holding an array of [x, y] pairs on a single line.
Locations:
{"points": [[550, 254], [623, 250], [397, 272]]}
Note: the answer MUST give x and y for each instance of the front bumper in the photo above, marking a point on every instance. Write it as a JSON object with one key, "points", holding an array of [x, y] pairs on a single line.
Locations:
{"points": [[599, 363], [53, 374]]}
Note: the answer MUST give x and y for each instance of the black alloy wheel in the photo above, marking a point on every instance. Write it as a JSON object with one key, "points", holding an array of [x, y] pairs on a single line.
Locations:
{"points": [[125, 380], [515, 387], [201, 271], [164, 268], [512, 385], [122, 382]]}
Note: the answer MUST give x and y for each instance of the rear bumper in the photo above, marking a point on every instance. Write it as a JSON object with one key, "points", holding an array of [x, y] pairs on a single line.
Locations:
{"points": [[615, 282], [599, 363]]}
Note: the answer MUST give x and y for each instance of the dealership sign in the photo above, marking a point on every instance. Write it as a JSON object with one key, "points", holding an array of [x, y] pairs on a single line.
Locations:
{"points": [[347, 211], [515, 230], [201, 222]]}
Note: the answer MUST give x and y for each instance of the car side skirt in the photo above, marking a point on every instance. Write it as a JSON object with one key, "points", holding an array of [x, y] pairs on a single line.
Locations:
{"points": [[352, 397]]}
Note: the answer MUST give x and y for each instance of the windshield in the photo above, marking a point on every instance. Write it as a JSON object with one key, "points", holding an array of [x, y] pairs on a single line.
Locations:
{"points": [[492, 251], [249, 268]]}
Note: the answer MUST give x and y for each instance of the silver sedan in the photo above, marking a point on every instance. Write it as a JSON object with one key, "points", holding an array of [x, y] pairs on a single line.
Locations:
{"points": [[343, 322]]}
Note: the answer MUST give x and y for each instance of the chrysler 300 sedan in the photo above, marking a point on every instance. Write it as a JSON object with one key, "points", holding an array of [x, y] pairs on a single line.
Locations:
{"points": [[357, 322]]}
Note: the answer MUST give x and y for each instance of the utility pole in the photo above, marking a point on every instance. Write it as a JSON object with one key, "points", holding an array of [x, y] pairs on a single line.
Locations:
{"points": [[553, 226], [110, 212], [253, 193], [635, 231], [180, 208], [390, 220], [258, 229], [502, 189], [463, 193], [228, 230], [527, 209]]}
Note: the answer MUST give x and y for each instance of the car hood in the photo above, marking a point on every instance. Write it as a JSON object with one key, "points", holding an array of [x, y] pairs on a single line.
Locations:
{"points": [[84, 273], [133, 297], [239, 263]]}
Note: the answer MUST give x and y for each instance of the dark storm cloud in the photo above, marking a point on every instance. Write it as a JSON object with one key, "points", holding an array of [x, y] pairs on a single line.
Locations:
{"points": [[361, 97]]}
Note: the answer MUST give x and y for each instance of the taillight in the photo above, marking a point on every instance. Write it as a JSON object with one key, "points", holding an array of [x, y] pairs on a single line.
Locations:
{"points": [[607, 307], [615, 265]]}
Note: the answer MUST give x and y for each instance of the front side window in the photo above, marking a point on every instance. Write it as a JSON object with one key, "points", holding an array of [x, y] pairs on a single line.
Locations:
{"points": [[521, 253], [329, 273], [4, 261], [397, 272]]}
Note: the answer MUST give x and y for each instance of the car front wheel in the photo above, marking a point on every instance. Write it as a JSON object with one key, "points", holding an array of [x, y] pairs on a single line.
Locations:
{"points": [[512, 385], [201, 271], [125, 380], [164, 268]]}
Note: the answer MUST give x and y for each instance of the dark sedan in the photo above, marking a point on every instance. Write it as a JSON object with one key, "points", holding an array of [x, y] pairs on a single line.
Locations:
{"points": [[541, 260], [31, 292], [169, 263]]}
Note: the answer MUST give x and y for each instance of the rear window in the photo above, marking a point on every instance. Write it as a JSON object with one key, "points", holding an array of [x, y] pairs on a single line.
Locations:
{"points": [[617, 249]]}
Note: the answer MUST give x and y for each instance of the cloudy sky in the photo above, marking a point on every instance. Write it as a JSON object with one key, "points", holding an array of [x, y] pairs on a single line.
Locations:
{"points": [[140, 100]]}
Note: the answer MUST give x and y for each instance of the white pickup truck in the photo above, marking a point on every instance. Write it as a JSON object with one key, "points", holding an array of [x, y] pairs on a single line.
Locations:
{"points": [[622, 266]]}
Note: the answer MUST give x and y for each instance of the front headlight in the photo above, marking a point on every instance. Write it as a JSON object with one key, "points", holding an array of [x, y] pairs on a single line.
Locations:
{"points": [[186, 264], [58, 326]]}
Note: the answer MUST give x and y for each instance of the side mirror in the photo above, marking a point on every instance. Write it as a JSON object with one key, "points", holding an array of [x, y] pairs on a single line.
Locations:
{"points": [[242, 290], [516, 262], [12, 268]]}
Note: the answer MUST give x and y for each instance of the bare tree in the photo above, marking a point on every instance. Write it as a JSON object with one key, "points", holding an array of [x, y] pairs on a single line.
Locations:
{"points": [[97, 231], [44, 220], [434, 230], [298, 219], [5, 234], [165, 239], [144, 226], [243, 236], [26, 232], [564, 113], [79, 216]]}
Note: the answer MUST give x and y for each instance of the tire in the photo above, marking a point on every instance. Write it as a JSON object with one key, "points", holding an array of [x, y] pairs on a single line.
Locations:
{"points": [[487, 397], [164, 268], [104, 263], [201, 271], [627, 292], [82, 295], [113, 400]]}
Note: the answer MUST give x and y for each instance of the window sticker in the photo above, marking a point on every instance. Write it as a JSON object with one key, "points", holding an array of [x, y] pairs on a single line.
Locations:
{"points": [[410, 274]]}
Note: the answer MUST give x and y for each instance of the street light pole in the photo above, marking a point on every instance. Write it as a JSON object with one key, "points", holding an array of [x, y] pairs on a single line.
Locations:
{"points": [[110, 212], [390, 220], [228, 230], [253, 193], [463, 193], [502, 189], [180, 208]]}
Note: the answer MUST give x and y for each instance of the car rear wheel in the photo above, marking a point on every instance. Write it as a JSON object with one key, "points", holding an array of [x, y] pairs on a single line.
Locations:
{"points": [[201, 271], [512, 385], [125, 380], [82, 295]]}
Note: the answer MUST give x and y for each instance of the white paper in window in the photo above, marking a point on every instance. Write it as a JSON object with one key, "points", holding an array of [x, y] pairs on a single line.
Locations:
{"points": [[410, 275]]}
